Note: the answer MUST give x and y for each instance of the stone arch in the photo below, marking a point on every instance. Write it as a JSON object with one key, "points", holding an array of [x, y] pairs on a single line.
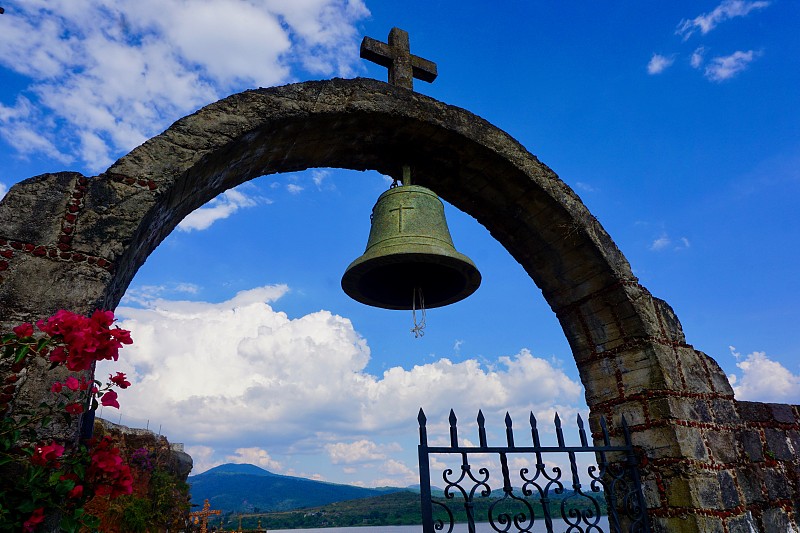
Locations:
{"points": [[84, 239]]}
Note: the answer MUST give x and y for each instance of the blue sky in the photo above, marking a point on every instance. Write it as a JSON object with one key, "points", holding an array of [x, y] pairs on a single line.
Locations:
{"points": [[679, 127]]}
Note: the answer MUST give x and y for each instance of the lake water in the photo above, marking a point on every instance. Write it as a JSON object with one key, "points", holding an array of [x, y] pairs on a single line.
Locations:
{"points": [[558, 526]]}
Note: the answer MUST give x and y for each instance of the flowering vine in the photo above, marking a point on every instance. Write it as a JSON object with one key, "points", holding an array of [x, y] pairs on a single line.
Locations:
{"points": [[41, 479]]}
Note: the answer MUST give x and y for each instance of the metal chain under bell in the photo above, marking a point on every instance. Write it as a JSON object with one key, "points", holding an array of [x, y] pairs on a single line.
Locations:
{"points": [[418, 328]]}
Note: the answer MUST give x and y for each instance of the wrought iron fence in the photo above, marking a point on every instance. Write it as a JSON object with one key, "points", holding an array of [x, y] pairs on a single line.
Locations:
{"points": [[536, 493]]}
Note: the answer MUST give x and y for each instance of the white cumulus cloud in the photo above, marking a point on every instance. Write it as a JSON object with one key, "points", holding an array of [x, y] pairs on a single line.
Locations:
{"points": [[112, 74], [219, 208], [254, 456], [726, 10], [725, 67], [764, 380], [242, 375], [202, 457], [356, 452]]}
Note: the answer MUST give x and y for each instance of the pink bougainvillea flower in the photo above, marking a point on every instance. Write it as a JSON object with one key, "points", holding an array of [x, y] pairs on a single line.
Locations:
{"points": [[49, 453], [106, 458], [58, 355], [74, 408], [122, 335], [72, 383], [76, 492], [103, 318], [107, 472], [57, 386], [119, 380], [36, 518], [87, 339], [109, 399], [124, 482], [23, 330]]}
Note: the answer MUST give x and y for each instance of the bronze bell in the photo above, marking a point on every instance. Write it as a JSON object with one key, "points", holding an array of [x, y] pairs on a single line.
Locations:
{"points": [[410, 252]]}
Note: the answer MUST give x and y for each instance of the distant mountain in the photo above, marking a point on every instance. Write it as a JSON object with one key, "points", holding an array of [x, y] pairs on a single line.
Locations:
{"points": [[245, 488], [238, 468]]}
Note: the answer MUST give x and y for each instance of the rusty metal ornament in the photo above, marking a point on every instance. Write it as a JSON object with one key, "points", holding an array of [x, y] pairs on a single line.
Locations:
{"points": [[410, 254]]}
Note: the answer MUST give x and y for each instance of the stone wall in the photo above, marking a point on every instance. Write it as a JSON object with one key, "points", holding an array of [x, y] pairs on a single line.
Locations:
{"points": [[83, 239], [167, 498], [767, 464]]}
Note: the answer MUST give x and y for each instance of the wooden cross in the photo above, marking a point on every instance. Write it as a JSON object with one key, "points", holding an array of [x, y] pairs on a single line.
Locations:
{"points": [[396, 56], [201, 517]]}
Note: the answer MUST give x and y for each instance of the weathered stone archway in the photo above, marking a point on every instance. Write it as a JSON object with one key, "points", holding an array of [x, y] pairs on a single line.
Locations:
{"points": [[84, 239]]}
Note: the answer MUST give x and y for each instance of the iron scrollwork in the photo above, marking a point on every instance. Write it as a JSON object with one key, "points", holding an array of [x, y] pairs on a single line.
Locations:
{"points": [[542, 490]]}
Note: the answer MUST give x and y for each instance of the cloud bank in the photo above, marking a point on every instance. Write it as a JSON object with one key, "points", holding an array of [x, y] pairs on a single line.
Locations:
{"points": [[236, 378], [106, 76]]}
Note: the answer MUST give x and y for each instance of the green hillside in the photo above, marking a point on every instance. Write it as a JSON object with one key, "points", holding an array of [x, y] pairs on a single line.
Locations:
{"points": [[398, 508]]}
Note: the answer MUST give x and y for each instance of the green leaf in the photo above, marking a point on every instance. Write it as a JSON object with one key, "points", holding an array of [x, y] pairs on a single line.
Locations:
{"points": [[69, 524], [44, 341], [22, 353], [90, 521]]}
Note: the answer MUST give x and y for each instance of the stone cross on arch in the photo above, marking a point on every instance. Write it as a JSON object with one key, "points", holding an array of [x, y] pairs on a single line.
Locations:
{"points": [[396, 56]]}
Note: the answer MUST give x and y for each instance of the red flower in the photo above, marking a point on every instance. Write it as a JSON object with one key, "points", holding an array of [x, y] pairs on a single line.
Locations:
{"points": [[107, 472], [123, 485], [119, 380], [109, 399], [76, 492], [36, 518], [87, 339], [122, 335], [74, 408], [23, 330], [42, 455], [58, 355], [72, 383], [103, 318], [57, 386]]}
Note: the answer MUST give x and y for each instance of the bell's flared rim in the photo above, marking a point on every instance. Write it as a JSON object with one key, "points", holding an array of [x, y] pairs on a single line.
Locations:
{"points": [[387, 281]]}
